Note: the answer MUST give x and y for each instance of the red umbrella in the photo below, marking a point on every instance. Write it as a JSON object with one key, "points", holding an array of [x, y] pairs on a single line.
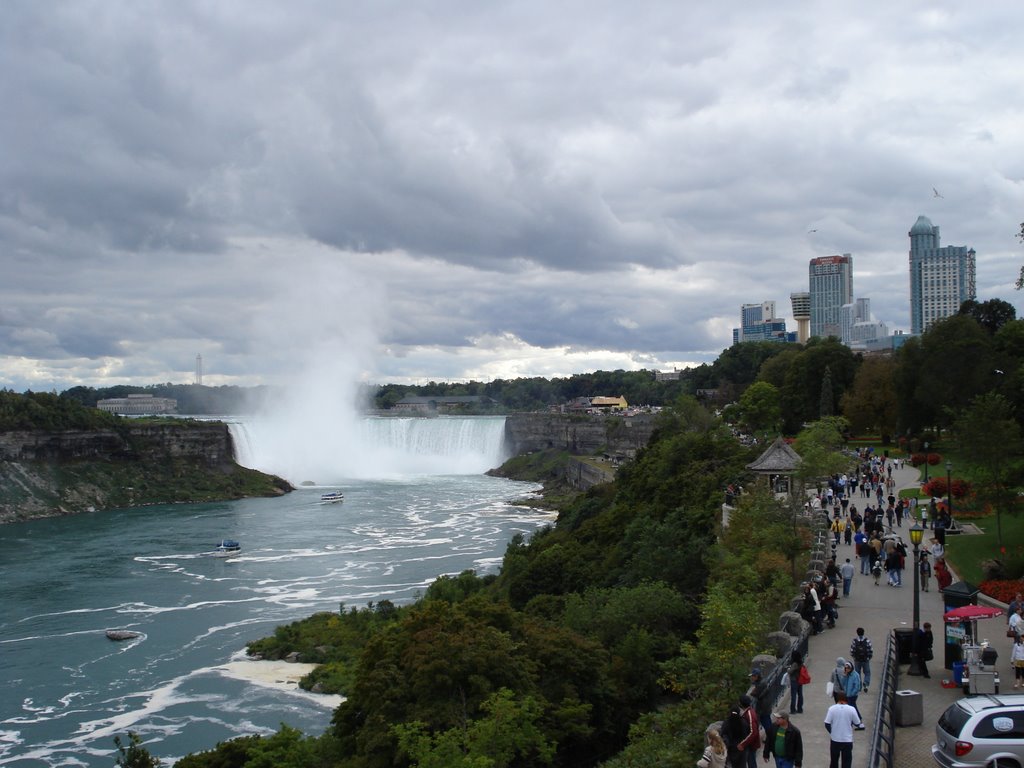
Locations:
{"points": [[971, 613]]}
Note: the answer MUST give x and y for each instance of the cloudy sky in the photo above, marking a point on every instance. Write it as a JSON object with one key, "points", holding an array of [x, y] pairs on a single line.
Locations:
{"points": [[451, 190]]}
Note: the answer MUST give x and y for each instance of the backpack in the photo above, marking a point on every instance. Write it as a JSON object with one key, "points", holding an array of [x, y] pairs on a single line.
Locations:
{"points": [[860, 649]]}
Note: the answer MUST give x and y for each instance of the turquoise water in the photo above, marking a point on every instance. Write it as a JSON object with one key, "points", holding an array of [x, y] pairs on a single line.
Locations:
{"points": [[67, 690]]}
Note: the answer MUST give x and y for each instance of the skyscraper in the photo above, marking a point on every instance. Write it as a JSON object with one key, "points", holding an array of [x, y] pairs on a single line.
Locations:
{"points": [[941, 279], [831, 286]]}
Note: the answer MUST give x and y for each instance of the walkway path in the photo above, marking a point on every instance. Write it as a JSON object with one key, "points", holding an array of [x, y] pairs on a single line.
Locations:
{"points": [[879, 610]]}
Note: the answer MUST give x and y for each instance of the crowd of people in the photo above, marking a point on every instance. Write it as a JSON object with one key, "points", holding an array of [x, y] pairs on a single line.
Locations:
{"points": [[755, 728]]}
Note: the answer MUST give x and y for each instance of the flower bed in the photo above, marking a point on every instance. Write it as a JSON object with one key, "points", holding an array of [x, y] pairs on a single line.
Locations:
{"points": [[1002, 590]]}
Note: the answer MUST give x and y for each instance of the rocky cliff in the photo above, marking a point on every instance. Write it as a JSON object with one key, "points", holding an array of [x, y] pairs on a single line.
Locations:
{"points": [[578, 434], [44, 473]]}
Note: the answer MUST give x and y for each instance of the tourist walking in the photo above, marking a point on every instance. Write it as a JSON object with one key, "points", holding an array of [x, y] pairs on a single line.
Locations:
{"points": [[784, 742], [852, 687], [923, 643], [861, 653], [838, 678], [733, 733], [925, 569], [714, 750], [840, 722], [1017, 660], [1017, 622], [750, 745], [798, 678], [846, 572]]}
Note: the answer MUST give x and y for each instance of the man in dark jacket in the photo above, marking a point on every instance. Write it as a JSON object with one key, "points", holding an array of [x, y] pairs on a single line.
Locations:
{"points": [[784, 741]]}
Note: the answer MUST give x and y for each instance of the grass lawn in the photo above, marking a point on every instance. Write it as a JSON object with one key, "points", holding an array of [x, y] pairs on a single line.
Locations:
{"points": [[966, 552]]}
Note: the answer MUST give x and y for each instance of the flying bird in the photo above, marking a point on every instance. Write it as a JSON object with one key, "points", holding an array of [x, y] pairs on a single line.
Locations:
{"points": [[997, 371], [809, 231], [935, 193]]}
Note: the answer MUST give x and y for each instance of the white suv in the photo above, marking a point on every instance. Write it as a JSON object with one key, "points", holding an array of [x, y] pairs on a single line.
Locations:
{"points": [[981, 732]]}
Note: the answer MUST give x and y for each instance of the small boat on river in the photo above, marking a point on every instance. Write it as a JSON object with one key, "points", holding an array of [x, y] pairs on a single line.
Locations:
{"points": [[333, 497], [227, 547]]}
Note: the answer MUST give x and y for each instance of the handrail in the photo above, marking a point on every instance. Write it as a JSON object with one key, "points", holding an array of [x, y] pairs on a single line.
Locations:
{"points": [[882, 750]]}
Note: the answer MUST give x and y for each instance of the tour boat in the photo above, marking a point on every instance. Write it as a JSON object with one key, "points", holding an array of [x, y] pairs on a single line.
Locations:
{"points": [[227, 547], [332, 497]]}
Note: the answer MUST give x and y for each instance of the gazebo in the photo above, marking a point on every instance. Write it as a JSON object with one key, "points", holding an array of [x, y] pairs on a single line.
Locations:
{"points": [[778, 463]]}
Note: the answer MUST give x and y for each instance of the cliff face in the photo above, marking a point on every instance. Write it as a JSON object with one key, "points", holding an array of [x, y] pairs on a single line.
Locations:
{"points": [[209, 442], [54, 473], [579, 434]]}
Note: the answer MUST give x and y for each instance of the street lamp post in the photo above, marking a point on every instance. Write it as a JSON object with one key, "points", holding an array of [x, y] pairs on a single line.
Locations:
{"points": [[949, 491], [926, 463], [916, 534]]}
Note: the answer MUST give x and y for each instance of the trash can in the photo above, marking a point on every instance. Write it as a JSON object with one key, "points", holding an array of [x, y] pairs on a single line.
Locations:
{"points": [[909, 708], [958, 672], [904, 645]]}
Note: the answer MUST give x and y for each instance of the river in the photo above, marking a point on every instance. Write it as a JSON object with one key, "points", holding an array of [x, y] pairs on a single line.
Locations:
{"points": [[68, 690]]}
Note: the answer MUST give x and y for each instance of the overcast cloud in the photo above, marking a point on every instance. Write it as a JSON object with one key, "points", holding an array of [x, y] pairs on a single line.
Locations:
{"points": [[450, 190]]}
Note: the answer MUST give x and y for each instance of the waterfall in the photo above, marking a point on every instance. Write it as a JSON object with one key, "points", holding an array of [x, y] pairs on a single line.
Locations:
{"points": [[370, 447]]}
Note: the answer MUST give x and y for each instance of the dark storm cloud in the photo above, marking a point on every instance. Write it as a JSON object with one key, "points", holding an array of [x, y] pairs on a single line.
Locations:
{"points": [[477, 187]]}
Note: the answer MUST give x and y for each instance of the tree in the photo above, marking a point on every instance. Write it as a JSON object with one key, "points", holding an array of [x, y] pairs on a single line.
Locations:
{"points": [[955, 366], [870, 403], [759, 408], [802, 387], [828, 396], [990, 443], [509, 730], [1020, 279], [820, 446], [134, 755], [990, 315]]}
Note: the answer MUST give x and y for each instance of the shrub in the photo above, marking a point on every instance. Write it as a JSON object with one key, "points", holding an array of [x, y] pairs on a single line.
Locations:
{"points": [[937, 487]]}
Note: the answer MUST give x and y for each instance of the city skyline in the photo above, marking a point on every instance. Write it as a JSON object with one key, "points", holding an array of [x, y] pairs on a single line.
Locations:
{"points": [[401, 194], [941, 278]]}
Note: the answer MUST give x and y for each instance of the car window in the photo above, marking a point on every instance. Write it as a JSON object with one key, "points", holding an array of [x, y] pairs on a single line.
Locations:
{"points": [[1001, 725], [953, 721]]}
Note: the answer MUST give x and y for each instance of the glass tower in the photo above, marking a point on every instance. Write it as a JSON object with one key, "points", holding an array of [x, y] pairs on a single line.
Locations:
{"points": [[831, 287], [941, 279]]}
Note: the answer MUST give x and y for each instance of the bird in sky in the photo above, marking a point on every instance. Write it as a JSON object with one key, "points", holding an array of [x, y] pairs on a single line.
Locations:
{"points": [[935, 193], [810, 231]]}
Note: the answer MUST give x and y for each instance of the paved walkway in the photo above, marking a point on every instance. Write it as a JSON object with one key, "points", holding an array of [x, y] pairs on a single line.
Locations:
{"points": [[880, 609]]}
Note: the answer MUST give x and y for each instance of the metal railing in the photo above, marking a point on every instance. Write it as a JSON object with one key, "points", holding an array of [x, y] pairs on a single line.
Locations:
{"points": [[882, 751]]}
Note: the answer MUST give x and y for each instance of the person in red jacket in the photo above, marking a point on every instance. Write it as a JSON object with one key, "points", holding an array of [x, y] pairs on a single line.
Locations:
{"points": [[751, 745]]}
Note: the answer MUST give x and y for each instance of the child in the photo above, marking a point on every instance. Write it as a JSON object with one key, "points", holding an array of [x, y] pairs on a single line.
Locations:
{"points": [[876, 570]]}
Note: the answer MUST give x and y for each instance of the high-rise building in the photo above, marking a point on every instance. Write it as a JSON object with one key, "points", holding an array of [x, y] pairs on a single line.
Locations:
{"points": [[831, 286], [941, 278], [858, 327], [759, 323], [801, 303]]}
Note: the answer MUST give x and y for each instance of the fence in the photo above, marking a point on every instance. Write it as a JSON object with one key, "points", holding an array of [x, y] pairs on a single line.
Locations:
{"points": [[882, 751]]}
